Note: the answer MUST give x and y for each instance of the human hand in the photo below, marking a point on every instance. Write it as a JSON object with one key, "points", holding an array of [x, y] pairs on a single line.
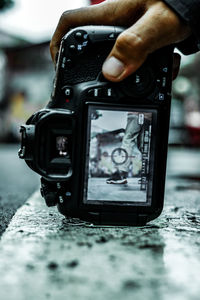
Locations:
{"points": [[151, 24]]}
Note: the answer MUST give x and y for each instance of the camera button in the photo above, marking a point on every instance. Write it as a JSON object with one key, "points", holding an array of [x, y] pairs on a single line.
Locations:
{"points": [[69, 63], [81, 36], [72, 48], [107, 92], [68, 91], [162, 81], [161, 97], [101, 92], [112, 36], [93, 92], [165, 70]]}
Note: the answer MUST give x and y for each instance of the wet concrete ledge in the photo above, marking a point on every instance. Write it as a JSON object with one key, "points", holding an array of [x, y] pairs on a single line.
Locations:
{"points": [[45, 256]]}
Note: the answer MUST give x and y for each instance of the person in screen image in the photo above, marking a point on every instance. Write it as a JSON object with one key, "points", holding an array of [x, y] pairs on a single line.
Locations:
{"points": [[131, 143], [62, 145]]}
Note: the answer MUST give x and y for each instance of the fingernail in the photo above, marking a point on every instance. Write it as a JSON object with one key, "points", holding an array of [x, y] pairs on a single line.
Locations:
{"points": [[113, 67]]}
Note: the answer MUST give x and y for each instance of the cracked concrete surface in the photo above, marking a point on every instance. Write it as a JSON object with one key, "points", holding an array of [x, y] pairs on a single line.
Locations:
{"points": [[45, 256]]}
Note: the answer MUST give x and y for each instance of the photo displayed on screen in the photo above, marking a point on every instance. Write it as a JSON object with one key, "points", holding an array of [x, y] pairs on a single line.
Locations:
{"points": [[119, 160]]}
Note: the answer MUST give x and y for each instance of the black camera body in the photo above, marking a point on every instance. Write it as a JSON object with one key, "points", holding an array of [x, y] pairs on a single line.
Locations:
{"points": [[93, 131]]}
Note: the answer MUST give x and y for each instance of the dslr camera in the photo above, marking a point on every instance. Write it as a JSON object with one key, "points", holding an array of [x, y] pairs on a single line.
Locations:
{"points": [[101, 147]]}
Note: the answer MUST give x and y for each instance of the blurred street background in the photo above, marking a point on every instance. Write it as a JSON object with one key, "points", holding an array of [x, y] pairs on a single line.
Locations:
{"points": [[26, 76], [26, 71]]}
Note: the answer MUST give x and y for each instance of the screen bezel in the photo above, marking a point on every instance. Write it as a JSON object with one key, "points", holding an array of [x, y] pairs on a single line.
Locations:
{"points": [[100, 204]]}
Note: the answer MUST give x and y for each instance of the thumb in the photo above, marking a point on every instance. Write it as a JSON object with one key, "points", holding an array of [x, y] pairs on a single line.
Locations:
{"points": [[126, 57], [158, 27]]}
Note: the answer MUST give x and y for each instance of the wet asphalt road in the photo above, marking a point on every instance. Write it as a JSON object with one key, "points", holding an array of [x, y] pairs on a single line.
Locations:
{"points": [[74, 260], [17, 183]]}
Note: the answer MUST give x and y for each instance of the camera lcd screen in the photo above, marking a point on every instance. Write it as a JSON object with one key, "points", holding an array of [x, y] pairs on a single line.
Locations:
{"points": [[119, 155]]}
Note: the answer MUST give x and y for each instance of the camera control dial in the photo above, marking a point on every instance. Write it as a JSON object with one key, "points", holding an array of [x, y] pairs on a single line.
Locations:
{"points": [[139, 84]]}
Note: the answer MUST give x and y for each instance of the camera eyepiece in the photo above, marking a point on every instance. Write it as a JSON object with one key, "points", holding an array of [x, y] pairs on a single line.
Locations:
{"points": [[46, 145], [27, 142]]}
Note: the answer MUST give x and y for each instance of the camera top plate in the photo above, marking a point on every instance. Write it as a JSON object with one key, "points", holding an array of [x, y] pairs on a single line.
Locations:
{"points": [[82, 53]]}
